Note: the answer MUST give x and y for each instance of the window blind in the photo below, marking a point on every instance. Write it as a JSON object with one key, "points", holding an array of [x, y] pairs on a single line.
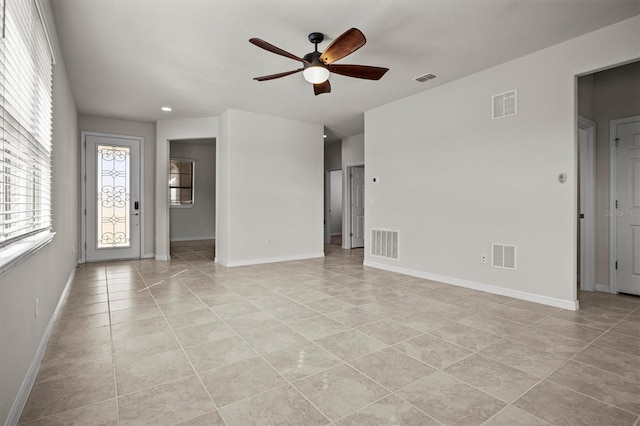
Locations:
{"points": [[25, 122]]}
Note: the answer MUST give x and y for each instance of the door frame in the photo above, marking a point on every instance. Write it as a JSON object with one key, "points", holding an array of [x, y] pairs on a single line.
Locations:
{"points": [[613, 219], [83, 187], [587, 158], [346, 202]]}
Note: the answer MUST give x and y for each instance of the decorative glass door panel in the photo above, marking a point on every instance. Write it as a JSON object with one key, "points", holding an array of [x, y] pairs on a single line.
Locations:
{"points": [[113, 196], [113, 208]]}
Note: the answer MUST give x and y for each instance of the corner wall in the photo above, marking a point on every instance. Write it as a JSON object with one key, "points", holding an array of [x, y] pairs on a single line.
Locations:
{"points": [[167, 130], [270, 188], [44, 274], [452, 178]]}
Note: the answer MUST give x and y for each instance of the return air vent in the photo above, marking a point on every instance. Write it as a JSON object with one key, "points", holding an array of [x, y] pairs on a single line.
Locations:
{"points": [[504, 256], [504, 104], [425, 77], [384, 243]]}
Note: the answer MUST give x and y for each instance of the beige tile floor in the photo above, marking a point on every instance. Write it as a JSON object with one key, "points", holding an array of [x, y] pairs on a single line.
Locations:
{"points": [[327, 341]]}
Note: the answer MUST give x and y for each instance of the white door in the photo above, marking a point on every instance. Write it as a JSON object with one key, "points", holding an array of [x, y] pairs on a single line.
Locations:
{"points": [[112, 167], [627, 213], [357, 207]]}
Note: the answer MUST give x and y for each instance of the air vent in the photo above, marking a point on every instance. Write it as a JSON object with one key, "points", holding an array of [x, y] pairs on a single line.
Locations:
{"points": [[504, 256], [384, 243], [425, 77], [504, 104]]}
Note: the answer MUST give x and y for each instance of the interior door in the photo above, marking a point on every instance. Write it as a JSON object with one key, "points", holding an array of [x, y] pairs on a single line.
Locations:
{"points": [[357, 207], [627, 213], [112, 167]]}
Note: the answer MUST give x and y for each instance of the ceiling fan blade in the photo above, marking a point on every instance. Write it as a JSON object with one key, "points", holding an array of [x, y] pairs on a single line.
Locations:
{"points": [[321, 88], [344, 45], [359, 71], [280, 74], [273, 49]]}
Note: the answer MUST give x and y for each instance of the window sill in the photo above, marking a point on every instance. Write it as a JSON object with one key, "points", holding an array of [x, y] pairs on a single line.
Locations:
{"points": [[184, 206], [20, 251]]}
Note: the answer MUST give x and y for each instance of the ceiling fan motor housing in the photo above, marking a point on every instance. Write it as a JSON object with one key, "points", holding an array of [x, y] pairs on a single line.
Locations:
{"points": [[313, 60]]}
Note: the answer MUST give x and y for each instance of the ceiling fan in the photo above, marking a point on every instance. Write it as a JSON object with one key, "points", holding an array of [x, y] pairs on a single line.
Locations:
{"points": [[316, 66]]}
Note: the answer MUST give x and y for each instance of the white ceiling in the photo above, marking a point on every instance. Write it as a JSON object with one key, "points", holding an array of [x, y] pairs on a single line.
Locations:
{"points": [[127, 58]]}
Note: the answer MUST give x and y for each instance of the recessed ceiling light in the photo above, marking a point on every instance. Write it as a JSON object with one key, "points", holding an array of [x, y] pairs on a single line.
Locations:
{"points": [[166, 109]]}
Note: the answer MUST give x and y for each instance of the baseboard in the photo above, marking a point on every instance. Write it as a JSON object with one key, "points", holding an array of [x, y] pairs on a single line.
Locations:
{"points": [[163, 258], [30, 378], [603, 288], [193, 238], [558, 303], [248, 262], [148, 256]]}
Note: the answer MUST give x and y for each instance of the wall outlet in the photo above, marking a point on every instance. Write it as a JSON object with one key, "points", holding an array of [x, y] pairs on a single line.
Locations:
{"points": [[483, 258], [37, 307], [443, 253]]}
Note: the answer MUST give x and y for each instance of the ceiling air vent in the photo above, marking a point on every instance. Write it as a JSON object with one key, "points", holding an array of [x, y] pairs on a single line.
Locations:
{"points": [[504, 104], [425, 77], [504, 256]]}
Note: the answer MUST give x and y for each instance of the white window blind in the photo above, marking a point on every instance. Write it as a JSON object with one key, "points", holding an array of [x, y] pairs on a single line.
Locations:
{"points": [[25, 123]]}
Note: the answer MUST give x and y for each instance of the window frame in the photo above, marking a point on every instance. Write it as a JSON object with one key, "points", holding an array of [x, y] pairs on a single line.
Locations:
{"points": [[193, 183]]}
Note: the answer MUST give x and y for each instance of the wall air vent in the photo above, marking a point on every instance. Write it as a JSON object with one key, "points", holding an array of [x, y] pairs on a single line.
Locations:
{"points": [[425, 77], [503, 256], [504, 104], [384, 243]]}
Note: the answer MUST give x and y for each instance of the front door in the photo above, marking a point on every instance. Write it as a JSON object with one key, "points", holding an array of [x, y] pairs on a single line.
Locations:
{"points": [[357, 207], [627, 213], [112, 197]]}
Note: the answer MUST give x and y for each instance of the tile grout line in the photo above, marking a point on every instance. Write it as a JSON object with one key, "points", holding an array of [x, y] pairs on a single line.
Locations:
{"points": [[287, 382], [185, 355], [113, 349], [343, 362]]}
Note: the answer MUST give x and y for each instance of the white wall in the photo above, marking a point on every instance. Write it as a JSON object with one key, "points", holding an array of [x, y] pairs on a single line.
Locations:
{"points": [[269, 187], [452, 178], [196, 222], [89, 123], [44, 274], [167, 130], [336, 202], [353, 150]]}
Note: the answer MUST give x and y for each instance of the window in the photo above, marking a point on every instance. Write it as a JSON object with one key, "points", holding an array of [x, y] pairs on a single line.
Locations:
{"points": [[181, 183], [25, 128]]}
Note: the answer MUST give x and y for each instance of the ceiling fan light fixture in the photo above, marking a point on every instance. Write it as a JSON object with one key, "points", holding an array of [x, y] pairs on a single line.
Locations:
{"points": [[316, 74]]}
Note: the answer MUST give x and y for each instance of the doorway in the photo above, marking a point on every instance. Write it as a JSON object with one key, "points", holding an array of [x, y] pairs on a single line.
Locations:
{"points": [[112, 189], [192, 189], [335, 207]]}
